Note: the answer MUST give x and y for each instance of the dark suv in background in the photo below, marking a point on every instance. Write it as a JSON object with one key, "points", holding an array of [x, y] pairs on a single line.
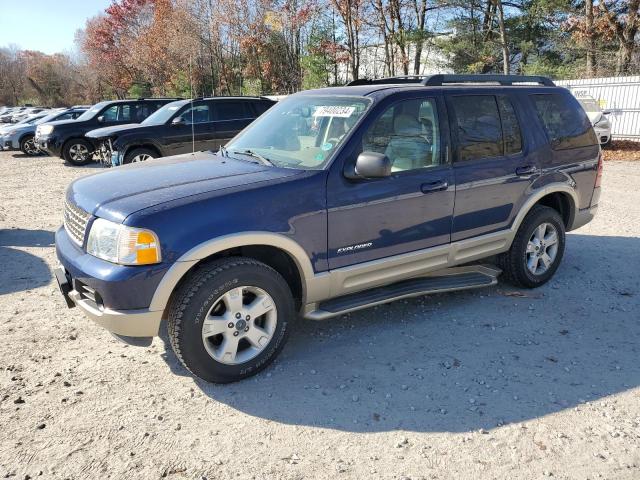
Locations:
{"points": [[179, 127], [334, 200], [66, 139]]}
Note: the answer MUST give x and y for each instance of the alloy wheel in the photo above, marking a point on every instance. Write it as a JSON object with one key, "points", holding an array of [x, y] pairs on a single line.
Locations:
{"points": [[78, 152], [239, 325], [542, 248], [30, 147], [143, 157]]}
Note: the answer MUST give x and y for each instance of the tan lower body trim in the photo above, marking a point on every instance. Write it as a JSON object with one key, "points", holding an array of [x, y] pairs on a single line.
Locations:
{"points": [[385, 271]]}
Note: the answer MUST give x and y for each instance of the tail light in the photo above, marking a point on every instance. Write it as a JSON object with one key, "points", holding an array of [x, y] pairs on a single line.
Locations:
{"points": [[599, 171]]}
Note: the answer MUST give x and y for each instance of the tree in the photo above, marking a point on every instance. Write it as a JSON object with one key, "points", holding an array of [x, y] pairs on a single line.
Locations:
{"points": [[622, 16]]}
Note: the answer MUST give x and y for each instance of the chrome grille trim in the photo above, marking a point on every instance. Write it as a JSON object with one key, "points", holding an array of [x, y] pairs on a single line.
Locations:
{"points": [[75, 222]]}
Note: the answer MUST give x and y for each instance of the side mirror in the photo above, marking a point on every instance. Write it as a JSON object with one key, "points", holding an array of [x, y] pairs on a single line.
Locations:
{"points": [[101, 119], [178, 121], [370, 165], [606, 112]]}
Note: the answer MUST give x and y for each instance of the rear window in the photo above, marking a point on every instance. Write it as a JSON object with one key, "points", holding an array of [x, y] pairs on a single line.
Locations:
{"points": [[232, 110], [565, 122]]}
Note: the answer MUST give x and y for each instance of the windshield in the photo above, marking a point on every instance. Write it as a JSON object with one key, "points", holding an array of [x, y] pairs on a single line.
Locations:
{"points": [[301, 131], [93, 111], [160, 116], [589, 105]]}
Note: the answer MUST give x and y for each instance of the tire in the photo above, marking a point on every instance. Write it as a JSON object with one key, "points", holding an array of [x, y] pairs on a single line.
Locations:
{"points": [[28, 147], [207, 294], [518, 263], [139, 155], [78, 152]]}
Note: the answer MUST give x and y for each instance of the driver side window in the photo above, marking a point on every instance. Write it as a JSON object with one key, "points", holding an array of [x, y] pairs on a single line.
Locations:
{"points": [[408, 133]]}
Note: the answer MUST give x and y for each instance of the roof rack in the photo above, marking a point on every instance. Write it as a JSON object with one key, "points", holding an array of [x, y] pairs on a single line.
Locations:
{"points": [[442, 79]]}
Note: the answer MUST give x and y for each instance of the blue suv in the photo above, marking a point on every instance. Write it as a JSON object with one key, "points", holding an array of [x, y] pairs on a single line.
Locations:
{"points": [[332, 201]]}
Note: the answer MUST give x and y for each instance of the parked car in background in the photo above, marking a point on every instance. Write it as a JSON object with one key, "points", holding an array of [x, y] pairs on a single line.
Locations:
{"points": [[178, 127], [598, 118], [66, 138], [22, 137], [8, 132], [6, 116], [334, 200], [28, 112]]}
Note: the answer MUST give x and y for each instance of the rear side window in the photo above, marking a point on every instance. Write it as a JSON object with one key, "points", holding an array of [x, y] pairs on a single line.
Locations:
{"points": [[478, 126], [565, 122], [261, 107], [510, 126], [236, 110]]}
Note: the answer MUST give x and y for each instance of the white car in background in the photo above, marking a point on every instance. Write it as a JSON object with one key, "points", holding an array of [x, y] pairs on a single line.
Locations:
{"points": [[598, 118]]}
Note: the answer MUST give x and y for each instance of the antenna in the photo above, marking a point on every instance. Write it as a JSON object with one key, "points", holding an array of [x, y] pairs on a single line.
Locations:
{"points": [[193, 133]]}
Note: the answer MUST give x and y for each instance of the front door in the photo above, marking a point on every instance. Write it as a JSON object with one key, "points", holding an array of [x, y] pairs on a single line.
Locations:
{"points": [[408, 211], [492, 164], [193, 134]]}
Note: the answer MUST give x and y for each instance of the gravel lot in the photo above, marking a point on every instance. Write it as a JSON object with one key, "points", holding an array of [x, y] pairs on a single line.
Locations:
{"points": [[492, 383]]}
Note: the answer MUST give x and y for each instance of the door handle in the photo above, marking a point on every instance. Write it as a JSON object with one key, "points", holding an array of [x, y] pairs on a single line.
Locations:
{"points": [[436, 186], [526, 170]]}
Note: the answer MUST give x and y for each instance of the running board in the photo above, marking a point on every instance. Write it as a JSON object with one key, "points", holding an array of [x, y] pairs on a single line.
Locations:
{"points": [[446, 280]]}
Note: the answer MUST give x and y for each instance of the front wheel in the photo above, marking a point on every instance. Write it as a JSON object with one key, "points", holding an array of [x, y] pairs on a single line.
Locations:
{"points": [[230, 319], [78, 152], [28, 146], [537, 249], [139, 155]]}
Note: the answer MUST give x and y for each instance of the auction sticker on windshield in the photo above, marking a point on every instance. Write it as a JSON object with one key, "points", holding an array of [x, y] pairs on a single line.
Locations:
{"points": [[334, 111]]}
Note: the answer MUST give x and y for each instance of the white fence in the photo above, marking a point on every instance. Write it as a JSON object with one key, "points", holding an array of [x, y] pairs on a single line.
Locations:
{"points": [[620, 96]]}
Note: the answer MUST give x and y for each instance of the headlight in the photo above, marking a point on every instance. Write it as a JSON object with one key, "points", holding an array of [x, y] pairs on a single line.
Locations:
{"points": [[603, 122], [45, 129], [121, 244]]}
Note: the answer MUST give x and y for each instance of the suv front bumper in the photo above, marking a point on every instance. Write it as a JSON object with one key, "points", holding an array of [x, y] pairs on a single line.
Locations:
{"points": [[123, 323], [50, 144], [113, 296]]}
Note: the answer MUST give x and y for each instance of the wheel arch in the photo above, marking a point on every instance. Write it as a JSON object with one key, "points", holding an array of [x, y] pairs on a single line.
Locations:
{"points": [[281, 253], [559, 196], [25, 135]]}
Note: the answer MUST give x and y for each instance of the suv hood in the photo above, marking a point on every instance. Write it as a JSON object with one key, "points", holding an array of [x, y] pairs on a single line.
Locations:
{"points": [[121, 191], [105, 132]]}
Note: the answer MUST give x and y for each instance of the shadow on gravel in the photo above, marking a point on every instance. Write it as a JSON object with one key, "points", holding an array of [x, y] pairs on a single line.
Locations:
{"points": [[462, 361], [21, 270]]}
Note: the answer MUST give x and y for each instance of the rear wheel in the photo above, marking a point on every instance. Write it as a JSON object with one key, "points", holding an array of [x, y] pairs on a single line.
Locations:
{"points": [[78, 152], [537, 249], [28, 146], [140, 155], [230, 319]]}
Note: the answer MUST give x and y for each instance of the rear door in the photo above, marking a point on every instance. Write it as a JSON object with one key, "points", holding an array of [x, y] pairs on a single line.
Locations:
{"points": [[491, 166], [229, 118]]}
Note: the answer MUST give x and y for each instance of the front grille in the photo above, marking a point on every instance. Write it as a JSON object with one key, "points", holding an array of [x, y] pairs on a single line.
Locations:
{"points": [[75, 222]]}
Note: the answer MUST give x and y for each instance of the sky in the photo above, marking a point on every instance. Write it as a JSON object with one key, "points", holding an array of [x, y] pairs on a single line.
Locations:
{"points": [[45, 25]]}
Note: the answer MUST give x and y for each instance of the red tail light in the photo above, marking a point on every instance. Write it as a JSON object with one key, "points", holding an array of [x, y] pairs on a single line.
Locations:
{"points": [[599, 172]]}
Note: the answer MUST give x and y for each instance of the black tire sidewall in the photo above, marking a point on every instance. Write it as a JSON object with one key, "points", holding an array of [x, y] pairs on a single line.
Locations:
{"points": [[541, 215], [77, 141], [189, 334]]}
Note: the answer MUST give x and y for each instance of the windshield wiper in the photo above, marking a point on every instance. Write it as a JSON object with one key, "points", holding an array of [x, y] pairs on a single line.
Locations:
{"points": [[223, 151], [251, 153]]}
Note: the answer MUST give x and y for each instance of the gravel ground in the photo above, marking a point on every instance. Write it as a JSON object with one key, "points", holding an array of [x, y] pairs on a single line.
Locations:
{"points": [[492, 383]]}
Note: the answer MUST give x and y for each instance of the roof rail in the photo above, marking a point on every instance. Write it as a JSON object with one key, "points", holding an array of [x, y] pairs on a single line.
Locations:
{"points": [[442, 79], [438, 80]]}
